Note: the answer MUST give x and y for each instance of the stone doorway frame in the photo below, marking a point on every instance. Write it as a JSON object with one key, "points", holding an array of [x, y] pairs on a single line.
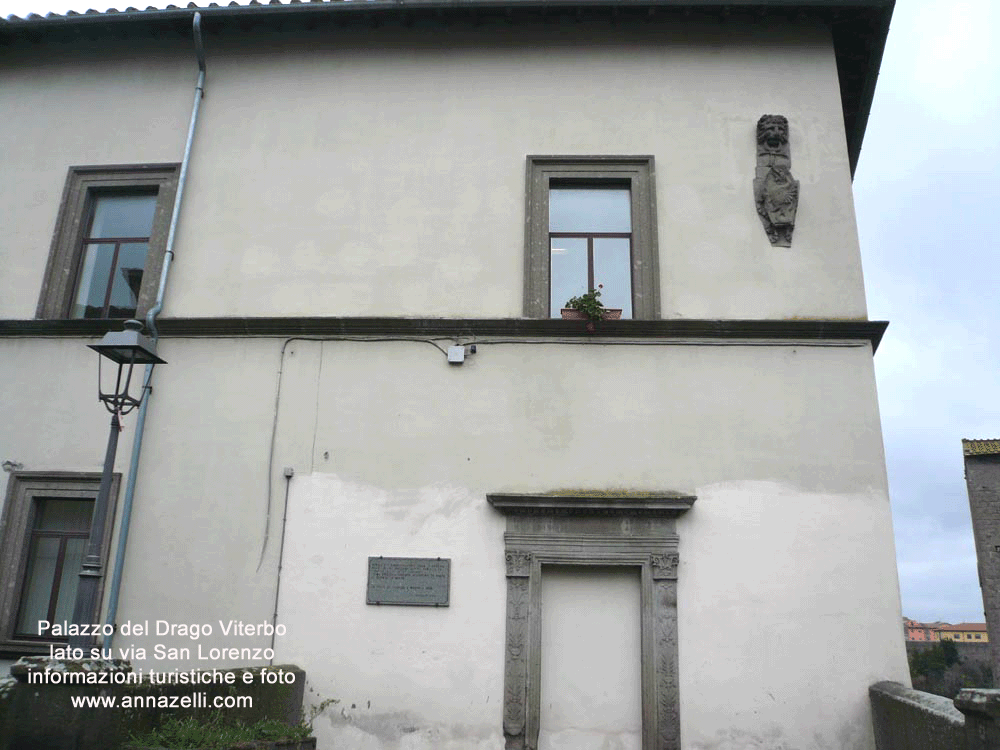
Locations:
{"points": [[592, 529]]}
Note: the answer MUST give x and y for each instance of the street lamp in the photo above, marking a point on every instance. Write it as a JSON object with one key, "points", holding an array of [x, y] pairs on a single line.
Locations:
{"points": [[126, 349]]}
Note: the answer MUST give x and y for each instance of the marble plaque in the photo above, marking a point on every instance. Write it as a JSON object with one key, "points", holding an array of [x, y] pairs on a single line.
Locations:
{"points": [[413, 581]]}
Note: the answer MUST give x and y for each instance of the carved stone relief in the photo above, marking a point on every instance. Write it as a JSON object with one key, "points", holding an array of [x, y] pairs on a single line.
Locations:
{"points": [[667, 683], [775, 191], [518, 563], [664, 566], [516, 666]]}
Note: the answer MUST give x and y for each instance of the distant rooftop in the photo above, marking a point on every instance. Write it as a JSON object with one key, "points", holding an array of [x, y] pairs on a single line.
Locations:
{"points": [[981, 447], [859, 27]]}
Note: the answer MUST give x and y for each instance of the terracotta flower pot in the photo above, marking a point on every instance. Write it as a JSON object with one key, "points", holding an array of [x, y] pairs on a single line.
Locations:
{"points": [[610, 313]]}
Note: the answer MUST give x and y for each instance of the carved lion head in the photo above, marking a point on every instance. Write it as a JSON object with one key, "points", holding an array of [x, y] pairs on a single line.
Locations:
{"points": [[772, 132]]}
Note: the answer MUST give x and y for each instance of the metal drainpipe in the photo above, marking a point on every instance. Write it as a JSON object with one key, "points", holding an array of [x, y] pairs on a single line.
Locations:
{"points": [[116, 576]]}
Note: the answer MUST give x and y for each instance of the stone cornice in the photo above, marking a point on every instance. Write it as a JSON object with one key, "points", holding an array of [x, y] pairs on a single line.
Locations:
{"points": [[320, 327], [667, 504]]}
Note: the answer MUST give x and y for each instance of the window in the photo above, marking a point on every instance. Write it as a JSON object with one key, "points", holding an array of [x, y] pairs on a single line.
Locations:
{"points": [[110, 237], [43, 538], [591, 221], [56, 544]]}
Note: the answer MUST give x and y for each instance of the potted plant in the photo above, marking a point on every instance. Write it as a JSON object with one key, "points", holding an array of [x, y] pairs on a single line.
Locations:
{"points": [[589, 307]]}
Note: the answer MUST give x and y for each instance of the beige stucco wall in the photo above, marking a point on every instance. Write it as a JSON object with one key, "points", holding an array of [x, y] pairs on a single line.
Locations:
{"points": [[381, 172]]}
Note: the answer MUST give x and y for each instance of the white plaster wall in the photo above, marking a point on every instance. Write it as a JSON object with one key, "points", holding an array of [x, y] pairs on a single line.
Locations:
{"points": [[71, 105], [591, 692], [200, 509], [788, 604], [405, 676], [50, 407], [52, 419], [381, 172], [782, 617]]}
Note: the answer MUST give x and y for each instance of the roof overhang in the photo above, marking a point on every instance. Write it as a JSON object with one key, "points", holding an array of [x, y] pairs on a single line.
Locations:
{"points": [[859, 27]]}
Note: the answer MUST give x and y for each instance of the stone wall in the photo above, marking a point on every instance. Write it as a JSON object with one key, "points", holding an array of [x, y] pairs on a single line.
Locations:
{"points": [[907, 719], [982, 476]]}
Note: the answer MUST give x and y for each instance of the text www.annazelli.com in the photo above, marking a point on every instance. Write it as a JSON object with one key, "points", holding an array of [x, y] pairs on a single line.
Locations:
{"points": [[197, 700]]}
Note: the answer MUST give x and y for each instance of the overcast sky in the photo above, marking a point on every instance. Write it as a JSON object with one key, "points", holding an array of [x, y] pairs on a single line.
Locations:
{"points": [[927, 191]]}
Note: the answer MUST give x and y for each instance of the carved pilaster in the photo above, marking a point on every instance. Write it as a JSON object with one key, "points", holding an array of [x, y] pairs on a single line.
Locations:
{"points": [[665, 642], [516, 666], [775, 191]]}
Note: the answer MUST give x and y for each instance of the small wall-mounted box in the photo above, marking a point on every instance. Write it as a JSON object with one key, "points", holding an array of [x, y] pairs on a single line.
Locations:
{"points": [[456, 355]]}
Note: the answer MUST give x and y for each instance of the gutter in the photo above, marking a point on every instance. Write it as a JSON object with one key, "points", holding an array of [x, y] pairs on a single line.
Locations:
{"points": [[116, 576], [341, 6]]}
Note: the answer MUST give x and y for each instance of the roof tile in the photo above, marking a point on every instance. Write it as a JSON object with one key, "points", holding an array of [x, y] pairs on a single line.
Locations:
{"points": [[989, 447]]}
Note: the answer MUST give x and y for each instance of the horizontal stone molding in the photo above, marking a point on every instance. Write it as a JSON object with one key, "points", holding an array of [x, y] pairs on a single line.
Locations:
{"points": [[635, 505], [319, 327]]}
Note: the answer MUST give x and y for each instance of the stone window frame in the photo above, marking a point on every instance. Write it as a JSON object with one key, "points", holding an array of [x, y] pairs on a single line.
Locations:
{"points": [[83, 183], [640, 175], [607, 530], [16, 523]]}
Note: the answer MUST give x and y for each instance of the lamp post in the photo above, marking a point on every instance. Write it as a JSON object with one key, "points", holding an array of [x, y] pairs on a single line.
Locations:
{"points": [[126, 349]]}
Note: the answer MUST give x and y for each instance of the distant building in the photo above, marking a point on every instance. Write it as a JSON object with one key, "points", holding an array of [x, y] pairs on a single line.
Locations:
{"points": [[965, 632], [921, 631]]}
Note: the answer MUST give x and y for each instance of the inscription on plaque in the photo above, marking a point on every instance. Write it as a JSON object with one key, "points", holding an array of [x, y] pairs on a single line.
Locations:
{"points": [[414, 581]]}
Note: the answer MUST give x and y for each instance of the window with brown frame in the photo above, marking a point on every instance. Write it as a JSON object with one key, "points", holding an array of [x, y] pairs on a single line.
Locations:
{"points": [[109, 242], [43, 537], [591, 222]]}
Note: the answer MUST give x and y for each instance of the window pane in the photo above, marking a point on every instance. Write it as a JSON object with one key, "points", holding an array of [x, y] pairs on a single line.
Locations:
{"points": [[128, 279], [123, 216], [94, 275], [590, 210], [70, 578], [43, 554], [57, 514], [568, 271], [613, 268]]}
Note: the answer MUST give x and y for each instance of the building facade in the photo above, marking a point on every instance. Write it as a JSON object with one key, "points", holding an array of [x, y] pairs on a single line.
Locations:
{"points": [[918, 631], [965, 632], [926, 631], [670, 531]]}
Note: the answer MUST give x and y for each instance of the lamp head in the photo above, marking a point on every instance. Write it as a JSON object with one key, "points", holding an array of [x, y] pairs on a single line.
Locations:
{"points": [[129, 346], [126, 349]]}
